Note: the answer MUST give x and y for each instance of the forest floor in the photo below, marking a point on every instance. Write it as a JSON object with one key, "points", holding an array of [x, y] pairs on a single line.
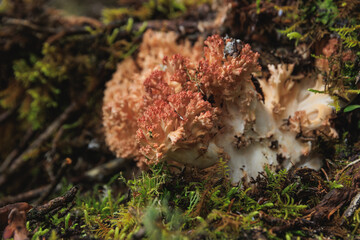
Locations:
{"points": [[59, 180]]}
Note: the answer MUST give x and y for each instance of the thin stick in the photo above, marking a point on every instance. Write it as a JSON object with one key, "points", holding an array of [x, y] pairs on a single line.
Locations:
{"points": [[54, 183], [28, 24], [23, 197], [346, 167], [6, 114], [16, 151], [19, 161], [100, 172]]}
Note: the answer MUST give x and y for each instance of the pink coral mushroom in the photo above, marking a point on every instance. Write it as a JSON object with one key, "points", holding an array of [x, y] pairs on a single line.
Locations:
{"points": [[196, 111], [124, 94]]}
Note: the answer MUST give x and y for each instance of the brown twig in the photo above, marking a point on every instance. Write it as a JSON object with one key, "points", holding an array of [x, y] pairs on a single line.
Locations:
{"points": [[26, 196], [7, 114], [5, 164], [19, 161], [174, 25], [40, 211], [54, 183], [27, 24], [355, 202], [51, 155], [330, 203], [346, 167], [100, 172]]}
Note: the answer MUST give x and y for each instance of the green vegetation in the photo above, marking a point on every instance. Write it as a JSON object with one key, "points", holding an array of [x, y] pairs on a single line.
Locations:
{"points": [[166, 9], [316, 20], [162, 205]]}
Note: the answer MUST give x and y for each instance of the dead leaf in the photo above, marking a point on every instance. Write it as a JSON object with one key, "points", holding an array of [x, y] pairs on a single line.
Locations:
{"points": [[5, 211], [17, 225]]}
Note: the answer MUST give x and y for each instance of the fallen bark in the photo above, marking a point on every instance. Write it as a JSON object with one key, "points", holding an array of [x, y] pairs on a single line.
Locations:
{"points": [[39, 212]]}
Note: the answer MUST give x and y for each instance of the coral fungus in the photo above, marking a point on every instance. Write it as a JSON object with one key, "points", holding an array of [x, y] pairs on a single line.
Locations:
{"points": [[123, 100], [196, 111], [177, 127]]}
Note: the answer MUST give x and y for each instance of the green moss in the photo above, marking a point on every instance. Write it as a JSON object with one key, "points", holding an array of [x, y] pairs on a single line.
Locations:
{"points": [[41, 77], [313, 20], [166, 9], [4, 5], [169, 208], [349, 35], [162, 205]]}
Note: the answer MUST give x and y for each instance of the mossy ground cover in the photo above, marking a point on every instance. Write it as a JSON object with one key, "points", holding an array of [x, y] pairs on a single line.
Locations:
{"points": [[53, 71], [202, 204]]}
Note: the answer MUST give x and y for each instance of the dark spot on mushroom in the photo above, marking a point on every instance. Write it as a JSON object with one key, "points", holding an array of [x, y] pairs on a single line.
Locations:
{"points": [[274, 144], [232, 47], [280, 158]]}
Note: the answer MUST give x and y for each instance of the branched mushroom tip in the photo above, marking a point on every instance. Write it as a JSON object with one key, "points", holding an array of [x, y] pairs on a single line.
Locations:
{"points": [[197, 110]]}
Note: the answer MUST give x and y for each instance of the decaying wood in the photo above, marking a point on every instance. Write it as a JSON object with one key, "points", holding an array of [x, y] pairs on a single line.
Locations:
{"points": [[332, 202], [337, 198], [38, 213]]}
